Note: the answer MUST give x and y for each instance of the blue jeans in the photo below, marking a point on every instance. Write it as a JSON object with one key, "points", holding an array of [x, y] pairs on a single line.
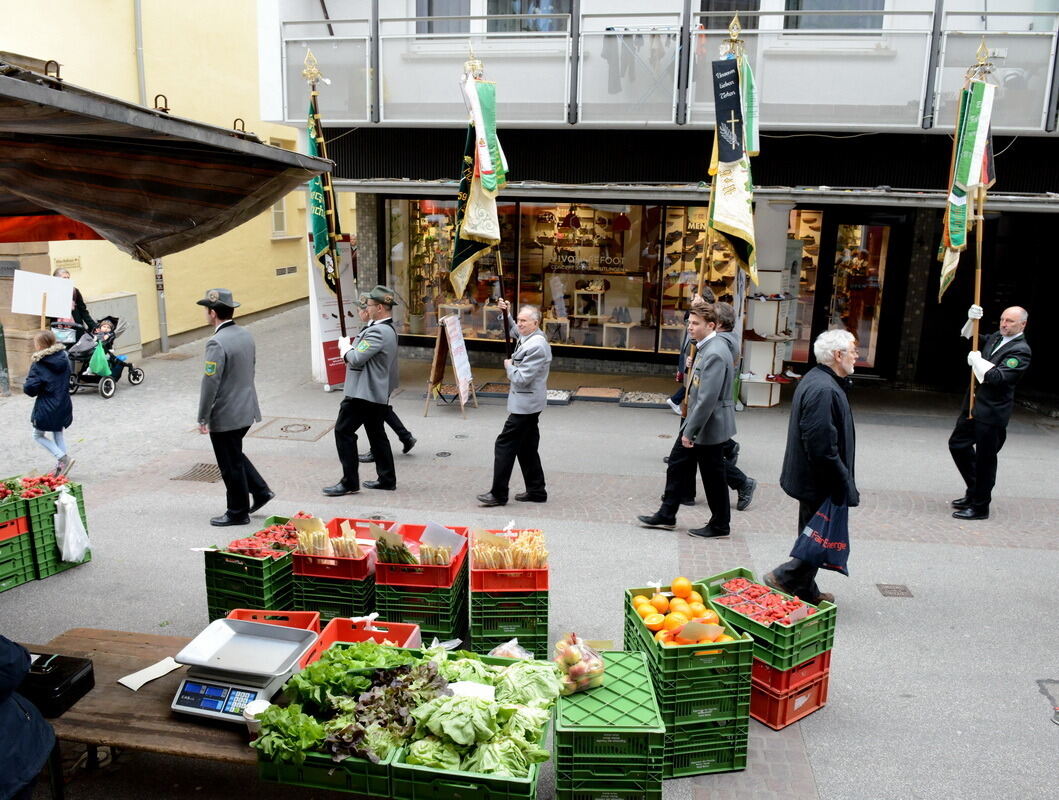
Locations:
{"points": [[57, 447]]}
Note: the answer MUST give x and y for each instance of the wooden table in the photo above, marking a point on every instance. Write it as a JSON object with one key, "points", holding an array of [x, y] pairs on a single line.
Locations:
{"points": [[112, 715]]}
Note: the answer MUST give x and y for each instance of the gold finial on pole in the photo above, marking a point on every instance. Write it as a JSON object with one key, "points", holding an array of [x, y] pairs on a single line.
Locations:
{"points": [[733, 45], [734, 29], [473, 66], [311, 73], [982, 54]]}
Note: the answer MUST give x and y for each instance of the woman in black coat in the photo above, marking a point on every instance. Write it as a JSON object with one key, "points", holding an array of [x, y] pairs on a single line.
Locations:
{"points": [[49, 382], [25, 738], [79, 317]]}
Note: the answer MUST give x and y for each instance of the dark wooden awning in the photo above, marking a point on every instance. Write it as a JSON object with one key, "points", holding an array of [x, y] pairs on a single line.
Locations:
{"points": [[76, 164]]}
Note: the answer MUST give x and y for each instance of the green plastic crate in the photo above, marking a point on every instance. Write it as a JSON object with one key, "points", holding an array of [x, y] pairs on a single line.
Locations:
{"points": [[52, 564], [16, 554], [539, 646], [223, 563], [575, 768], [722, 702], [358, 775], [440, 612], [700, 750], [223, 602], [12, 509], [619, 718], [603, 789], [334, 598], [780, 646], [510, 602]]}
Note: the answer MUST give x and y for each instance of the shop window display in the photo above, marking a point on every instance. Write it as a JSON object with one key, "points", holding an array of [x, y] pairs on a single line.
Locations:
{"points": [[860, 266], [804, 236]]}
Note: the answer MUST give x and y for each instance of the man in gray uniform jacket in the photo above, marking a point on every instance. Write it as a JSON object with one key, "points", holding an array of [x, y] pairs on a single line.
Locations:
{"points": [[527, 374], [228, 407], [371, 376], [709, 424]]}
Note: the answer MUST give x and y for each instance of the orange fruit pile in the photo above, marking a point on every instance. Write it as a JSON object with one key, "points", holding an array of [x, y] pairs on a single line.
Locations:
{"points": [[666, 615]]}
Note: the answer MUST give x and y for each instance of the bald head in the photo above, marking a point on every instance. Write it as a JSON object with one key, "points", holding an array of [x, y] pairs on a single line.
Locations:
{"points": [[1013, 321]]}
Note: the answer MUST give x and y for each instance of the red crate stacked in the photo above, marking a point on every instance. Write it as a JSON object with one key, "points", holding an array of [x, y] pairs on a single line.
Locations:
{"points": [[781, 697]]}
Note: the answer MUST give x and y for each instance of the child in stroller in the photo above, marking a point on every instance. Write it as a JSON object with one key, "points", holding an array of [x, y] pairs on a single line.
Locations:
{"points": [[105, 332]]}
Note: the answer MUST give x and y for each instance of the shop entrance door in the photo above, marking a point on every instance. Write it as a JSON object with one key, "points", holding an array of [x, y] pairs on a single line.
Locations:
{"points": [[861, 283]]}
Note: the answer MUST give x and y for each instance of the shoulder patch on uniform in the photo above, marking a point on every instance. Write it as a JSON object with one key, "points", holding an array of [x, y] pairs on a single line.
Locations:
{"points": [[362, 346], [211, 368], [1011, 363]]}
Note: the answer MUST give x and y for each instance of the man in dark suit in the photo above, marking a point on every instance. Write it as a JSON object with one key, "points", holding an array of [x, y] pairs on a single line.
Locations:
{"points": [[975, 442], [228, 407], [821, 449], [710, 422], [371, 377]]}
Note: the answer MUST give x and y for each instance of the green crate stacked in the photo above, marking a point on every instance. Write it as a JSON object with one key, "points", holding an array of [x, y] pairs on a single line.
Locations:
{"points": [[610, 741], [16, 554], [703, 692], [438, 611], [238, 581], [40, 514], [498, 617], [334, 597]]}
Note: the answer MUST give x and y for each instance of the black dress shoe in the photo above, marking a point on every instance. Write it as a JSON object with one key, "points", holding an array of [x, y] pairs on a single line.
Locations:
{"points": [[379, 485], [340, 489], [971, 513], [746, 495], [656, 521], [224, 520], [489, 500], [526, 497], [260, 501], [707, 532], [771, 581], [962, 502], [408, 444], [366, 458]]}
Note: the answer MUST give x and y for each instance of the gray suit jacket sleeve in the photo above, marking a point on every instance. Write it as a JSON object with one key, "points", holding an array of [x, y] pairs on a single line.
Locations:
{"points": [[369, 346], [526, 370], [211, 379], [709, 370]]}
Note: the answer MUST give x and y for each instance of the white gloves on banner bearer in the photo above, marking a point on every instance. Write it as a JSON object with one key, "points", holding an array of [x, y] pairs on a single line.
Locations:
{"points": [[345, 344], [973, 313], [979, 364]]}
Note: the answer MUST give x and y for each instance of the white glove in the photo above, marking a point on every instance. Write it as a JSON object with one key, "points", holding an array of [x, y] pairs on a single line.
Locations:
{"points": [[973, 313], [345, 344], [979, 365]]}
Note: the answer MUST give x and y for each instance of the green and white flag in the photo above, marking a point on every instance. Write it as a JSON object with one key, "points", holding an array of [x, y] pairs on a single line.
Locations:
{"points": [[748, 97], [971, 167], [323, 216]]}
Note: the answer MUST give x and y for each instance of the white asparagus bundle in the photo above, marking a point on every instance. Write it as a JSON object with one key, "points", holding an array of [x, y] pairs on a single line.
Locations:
{"points": [[347, 547], [434, 555], [527, 551], [314, 543]]}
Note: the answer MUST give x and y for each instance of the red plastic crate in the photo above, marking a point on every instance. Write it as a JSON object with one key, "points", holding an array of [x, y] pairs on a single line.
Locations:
{"points": [[422, 574], [341, 629], [308, 620], [789, 680], [13, 527], [780, 710], [336, 567], [508, 580]]}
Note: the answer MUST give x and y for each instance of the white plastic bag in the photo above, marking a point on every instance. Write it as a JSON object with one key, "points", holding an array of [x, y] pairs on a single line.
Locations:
{"points": [[70, 533]]}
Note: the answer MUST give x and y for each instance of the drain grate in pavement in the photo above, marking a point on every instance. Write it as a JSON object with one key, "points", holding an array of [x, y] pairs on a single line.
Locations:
{"points": [[290, 428], [204, 473], [893, 590]]}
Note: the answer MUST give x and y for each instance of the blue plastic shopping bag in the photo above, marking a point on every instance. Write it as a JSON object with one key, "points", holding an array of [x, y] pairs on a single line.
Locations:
{"points": [[824, 541]]}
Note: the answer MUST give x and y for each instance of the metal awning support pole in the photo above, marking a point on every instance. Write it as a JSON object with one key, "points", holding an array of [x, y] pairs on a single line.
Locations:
{"points": [[163, 324]]}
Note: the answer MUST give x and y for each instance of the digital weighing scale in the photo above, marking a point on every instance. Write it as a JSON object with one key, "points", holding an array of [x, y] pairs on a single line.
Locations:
{"points": [[233, 662]]}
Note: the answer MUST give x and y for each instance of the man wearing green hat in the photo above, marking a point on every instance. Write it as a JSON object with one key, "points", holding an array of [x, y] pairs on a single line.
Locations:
{"points": [[371, 377], [228, 407]]}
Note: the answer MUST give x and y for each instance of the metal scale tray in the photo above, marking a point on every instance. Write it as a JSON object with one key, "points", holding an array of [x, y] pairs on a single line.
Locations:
{"points": [[240, 646]]}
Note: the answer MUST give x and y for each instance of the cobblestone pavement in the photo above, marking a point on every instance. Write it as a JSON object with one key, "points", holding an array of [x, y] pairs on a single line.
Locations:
{"points": [[930, 696]]}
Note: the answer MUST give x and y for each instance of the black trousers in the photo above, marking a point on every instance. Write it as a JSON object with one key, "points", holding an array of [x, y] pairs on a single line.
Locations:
{"points": [[391, 419], [352, 414], [241, 480], [974, 446], [733, 476], [710, 462], [796, 575], [519, 439]]}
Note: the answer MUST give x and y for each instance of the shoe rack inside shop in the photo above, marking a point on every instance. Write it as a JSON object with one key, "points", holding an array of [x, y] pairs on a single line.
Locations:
{"points": [[687, 253], [803, 242]]}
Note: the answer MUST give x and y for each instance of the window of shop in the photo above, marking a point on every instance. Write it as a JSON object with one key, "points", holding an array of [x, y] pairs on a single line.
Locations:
{"points": [[605, 275], [803, 258], [835, 21]]}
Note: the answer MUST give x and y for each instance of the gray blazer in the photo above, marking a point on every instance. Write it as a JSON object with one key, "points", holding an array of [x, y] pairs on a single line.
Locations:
{"points": [[528, 375], [227, 399], [711, 410], [371, 364]]}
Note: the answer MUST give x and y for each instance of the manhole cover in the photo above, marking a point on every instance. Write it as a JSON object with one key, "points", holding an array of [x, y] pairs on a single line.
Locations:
{"points": [[893, 590], [443, 454], [293, 429], [204, 473]]}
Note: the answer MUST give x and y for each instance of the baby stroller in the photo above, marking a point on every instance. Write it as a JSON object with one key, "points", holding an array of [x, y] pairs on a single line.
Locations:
{"points": [[107, 330]]}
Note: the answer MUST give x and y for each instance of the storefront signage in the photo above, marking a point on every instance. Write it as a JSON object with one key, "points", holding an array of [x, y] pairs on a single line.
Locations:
{"points": [[70, 262]]}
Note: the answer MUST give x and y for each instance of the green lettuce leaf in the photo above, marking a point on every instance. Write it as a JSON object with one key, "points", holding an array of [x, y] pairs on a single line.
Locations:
{"points": [[435, 753], [461, 720], [287, 734], [529, 683]]}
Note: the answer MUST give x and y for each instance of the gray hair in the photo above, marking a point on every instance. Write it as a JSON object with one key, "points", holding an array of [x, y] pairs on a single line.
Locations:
{"points": [[533, 311], [830, 341]]}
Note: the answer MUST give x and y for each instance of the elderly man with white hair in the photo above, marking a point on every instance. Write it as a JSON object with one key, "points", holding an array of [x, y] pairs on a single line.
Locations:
{"points": [[818, 462]]}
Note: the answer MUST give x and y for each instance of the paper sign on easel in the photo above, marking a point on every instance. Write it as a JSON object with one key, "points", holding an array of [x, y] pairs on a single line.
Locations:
{"points": [[380, 534], [490, 539], [440, 536], [30, 288], [310, 525], [349, 532]]}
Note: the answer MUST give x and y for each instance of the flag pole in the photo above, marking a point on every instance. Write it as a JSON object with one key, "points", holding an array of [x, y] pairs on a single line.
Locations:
{"points": [[312, 74], [981, 68]]}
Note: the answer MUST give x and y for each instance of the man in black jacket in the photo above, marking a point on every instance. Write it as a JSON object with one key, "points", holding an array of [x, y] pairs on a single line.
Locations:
{"points": [[975, 442], [25, 738], [818, 462]]}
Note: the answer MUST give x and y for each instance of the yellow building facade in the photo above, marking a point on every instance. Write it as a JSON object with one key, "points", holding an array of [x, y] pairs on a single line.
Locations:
{"points": [[202, 55]]}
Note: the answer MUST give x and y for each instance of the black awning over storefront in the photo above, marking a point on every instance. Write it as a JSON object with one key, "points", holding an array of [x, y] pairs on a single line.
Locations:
{"points": [[75, 164]]}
